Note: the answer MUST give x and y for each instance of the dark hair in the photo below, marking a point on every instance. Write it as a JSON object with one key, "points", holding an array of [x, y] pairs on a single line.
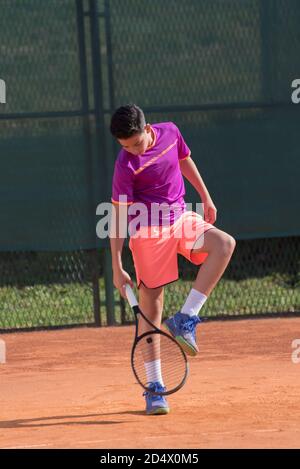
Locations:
{"points": [[127, 121]]}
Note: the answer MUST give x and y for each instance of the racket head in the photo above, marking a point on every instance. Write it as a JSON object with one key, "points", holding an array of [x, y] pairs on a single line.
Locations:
{"points": [[153, 345]]}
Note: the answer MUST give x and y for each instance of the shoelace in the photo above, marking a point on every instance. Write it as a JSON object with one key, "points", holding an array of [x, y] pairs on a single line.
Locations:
{"points": [[155, 387], [190, 325]]}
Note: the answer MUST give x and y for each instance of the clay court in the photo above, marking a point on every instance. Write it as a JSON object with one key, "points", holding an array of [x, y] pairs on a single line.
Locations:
{"points": [[75, 389]]}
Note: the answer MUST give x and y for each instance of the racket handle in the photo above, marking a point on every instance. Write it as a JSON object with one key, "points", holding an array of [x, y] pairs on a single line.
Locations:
{"points": [[130, 296]]}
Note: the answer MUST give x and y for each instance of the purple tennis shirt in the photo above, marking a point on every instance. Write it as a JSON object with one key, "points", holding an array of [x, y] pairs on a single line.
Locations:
{"points": [[151, 184]]}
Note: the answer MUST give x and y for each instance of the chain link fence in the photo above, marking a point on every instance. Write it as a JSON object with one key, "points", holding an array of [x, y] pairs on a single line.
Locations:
{"points": [[262, 279], [222, 71], [42, 289], [45, 289]]}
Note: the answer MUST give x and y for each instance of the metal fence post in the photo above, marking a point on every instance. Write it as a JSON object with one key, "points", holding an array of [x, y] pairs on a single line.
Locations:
{"points": [[93, 261], [100, 138]]}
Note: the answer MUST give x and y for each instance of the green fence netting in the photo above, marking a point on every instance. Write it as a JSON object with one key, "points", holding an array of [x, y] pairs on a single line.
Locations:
{"points": [[221, 69]]}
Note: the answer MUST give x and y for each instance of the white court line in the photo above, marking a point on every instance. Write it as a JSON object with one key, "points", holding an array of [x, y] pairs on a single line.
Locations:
{"points": [[26, 446], [81, 443], [2, 352], [51, 444], [220, 433]]}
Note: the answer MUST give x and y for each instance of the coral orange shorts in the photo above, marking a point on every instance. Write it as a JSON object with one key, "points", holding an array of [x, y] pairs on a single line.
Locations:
{"points": [[155, 248]]}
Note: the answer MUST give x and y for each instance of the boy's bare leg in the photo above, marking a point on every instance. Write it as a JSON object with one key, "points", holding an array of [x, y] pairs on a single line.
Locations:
{"points": [[151, 302], [219, 246]]}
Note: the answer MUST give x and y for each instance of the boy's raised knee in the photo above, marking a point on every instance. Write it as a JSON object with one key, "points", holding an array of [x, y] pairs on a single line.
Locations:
{"points": [[227, 246]]}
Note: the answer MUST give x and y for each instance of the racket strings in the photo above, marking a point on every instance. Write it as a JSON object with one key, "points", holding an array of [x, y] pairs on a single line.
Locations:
{"points": [[166, 353]]}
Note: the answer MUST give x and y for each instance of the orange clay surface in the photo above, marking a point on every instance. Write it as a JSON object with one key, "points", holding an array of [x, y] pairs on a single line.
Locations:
{"points": [[75, 389]]}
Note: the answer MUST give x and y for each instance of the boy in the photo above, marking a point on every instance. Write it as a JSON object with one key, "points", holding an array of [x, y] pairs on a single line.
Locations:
{"points": [[148, 174]]}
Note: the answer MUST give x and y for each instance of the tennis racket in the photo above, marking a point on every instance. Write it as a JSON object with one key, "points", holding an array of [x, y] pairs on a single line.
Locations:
{"points": [[152, 346]]}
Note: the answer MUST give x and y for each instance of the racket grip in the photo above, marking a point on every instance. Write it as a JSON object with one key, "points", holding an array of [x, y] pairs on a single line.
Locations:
{"points": [[130, 296]]}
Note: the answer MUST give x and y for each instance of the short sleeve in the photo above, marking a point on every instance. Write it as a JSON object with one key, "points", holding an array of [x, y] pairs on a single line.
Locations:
{"points": [[122, 186], [183, 150]]}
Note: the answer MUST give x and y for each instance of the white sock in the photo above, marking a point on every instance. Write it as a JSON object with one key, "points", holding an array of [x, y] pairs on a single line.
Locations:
{"points": [[193, 303], [153, 372]]}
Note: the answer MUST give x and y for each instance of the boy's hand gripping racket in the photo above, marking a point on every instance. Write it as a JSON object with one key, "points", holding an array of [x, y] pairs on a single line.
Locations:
{"points": [[153, 345]]}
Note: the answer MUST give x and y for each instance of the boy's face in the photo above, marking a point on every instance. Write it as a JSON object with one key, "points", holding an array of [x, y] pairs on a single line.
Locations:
{"points": [[138, 143]]}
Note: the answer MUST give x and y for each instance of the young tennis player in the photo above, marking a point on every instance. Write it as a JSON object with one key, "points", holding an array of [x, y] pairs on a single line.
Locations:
{"points": [[148, 184]]}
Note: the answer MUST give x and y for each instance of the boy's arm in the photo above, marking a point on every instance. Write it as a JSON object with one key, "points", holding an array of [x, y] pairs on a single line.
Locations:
{"points": [[117, 237], [191, 173], [116, 246]]}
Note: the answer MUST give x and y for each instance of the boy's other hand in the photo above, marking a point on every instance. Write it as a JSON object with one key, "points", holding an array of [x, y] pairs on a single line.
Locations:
{"points": [[210, 211], [120, 278]]}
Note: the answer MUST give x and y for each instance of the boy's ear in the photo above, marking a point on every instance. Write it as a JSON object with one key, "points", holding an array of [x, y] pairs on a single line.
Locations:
{"points": [[147, 128]]}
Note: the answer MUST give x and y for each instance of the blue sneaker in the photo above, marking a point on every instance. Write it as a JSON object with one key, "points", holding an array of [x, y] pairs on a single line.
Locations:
{"points": [[156, 405], [183, 329]]}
